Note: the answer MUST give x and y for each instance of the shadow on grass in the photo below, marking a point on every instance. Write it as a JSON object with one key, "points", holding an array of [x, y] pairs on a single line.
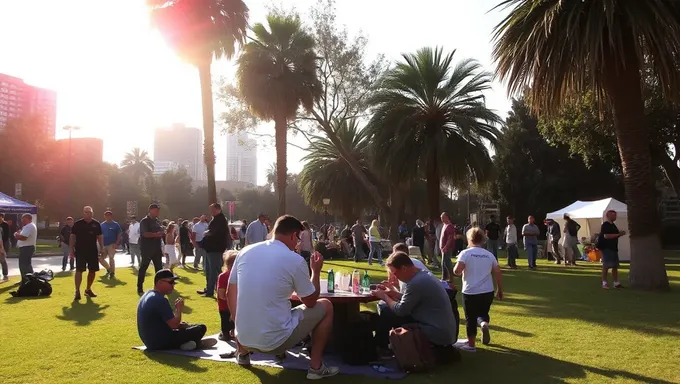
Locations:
{"points": [[83, 314], [281, 376], [110, 283], [508, 330], [15, 300], [174, 361]]}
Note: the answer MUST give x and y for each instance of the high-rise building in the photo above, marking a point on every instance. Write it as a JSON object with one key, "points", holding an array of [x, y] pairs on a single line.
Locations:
{"points": [[18, 99], [160, 167], [241, 158], [181, 145]]}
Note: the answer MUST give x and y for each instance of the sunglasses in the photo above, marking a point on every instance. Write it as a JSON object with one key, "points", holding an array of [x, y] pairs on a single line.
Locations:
{"points": [[171, 282]]}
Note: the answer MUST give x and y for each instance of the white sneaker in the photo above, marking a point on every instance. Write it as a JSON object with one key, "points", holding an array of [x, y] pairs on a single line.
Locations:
{"points": [[188, 346], [467, 348], [486, 337], [605, 285], [322, 372]]}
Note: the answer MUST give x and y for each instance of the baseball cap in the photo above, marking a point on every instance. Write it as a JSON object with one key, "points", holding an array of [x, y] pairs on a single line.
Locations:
{"points": [[164, 274], [153, 206]]}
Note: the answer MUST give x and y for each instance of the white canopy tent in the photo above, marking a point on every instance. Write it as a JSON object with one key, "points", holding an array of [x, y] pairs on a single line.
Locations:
{"points": [[591, 214]]}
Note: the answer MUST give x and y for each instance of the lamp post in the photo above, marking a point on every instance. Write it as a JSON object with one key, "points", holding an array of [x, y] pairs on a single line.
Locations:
{"points": [[326, 201], [70, 129]]}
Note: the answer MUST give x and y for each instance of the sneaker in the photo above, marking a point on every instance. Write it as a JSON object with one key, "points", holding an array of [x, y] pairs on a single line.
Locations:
{"points": [[112, 275], [243, 359], [208, 343], [618, 285], [323, 371], [140, 292], [72, 268], [76, 297], [467, 348], [605, 285], [486, 337], [63, 269], [5, 279], [188, 346], [89, 293], [201, 291]]}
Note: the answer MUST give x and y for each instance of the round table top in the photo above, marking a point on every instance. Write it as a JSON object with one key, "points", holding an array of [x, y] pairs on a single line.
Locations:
{"points": [[344, 297]]}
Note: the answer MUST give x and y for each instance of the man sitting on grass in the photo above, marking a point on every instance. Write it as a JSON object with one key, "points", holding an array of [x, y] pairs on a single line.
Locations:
{"points": [[422, 301], [161, 328]]}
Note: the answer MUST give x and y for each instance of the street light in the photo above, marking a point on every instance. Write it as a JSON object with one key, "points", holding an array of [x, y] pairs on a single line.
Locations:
{"points": [[326, 201], [70, 129]]}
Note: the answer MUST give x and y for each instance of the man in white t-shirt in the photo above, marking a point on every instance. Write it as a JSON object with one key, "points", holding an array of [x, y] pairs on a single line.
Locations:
{"points": [[133, 236], [262, 280], [26, 239]]}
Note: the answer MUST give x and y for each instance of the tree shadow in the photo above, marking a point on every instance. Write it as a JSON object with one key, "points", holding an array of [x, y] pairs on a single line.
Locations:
{"points": [[110, 283], [176, 361], [83, 314], [511, 331], [15, 300], [283, 375]]}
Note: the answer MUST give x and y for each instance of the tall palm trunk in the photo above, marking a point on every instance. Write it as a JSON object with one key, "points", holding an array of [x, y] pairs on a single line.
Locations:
{"points": [[208, 128], [623, 86], [433, 186], [280, 129]]}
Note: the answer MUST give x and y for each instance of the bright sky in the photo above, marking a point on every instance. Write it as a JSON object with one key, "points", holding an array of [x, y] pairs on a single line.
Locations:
{"points": [[116, 78]]}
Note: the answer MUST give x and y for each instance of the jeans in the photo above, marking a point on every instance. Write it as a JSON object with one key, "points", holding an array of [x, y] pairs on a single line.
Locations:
{"points": [[213, 266], [532, 251], [194, 332], [135, 254], [447, 265], [476, 308], [199, 254], [375, 249], [513, 254], [3, 260], [155, 256], [358, 250], [25, 255], [492, 246], [66, 251], [388, 320]]}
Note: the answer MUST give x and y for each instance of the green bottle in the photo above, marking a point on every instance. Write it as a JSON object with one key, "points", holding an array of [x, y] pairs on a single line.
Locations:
{"points": [[366, 282], [331, 281]]}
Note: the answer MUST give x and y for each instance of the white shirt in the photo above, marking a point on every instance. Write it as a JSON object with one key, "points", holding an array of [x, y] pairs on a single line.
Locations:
{"points": [[511, 234], [133, 233], [199, 229], [31, 232], [477, 277], [267, 274]]}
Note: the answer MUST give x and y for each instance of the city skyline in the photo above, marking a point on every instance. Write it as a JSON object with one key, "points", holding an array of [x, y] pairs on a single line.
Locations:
{"points": [[19, 99], [182, 145]]}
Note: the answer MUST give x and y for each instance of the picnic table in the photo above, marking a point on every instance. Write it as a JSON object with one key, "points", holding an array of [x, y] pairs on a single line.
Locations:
{"points": [[346, 310]]}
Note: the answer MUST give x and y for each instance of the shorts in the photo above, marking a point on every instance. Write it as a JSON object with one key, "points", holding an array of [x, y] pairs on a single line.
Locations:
{"points": [[109, 250], [87, 261], [610, 259], [310, 318]]}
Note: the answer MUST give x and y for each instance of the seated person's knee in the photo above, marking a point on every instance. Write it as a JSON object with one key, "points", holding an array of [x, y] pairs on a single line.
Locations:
{"points": [[327, 306]]}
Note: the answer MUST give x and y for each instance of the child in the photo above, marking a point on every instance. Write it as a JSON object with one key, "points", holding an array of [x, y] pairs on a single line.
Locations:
{"points": [[222, 304]]}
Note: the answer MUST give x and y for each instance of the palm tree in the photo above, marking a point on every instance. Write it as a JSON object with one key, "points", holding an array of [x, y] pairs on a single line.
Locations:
{"points": [[272, 177], [138, 163], [431, 120], [326, 174], [276, 74], [561, 48], [200, 30]]}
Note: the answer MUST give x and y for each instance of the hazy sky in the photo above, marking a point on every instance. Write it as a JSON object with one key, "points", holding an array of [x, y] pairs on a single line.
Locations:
{"points": [[116, 78]]}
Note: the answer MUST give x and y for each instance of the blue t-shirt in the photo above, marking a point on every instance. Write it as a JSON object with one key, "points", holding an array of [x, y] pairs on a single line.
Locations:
{"points": [[110, 231], [153, 313]]}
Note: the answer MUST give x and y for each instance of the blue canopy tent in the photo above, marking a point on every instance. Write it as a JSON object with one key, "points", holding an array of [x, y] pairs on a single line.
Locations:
{"points": [[12, 205]]}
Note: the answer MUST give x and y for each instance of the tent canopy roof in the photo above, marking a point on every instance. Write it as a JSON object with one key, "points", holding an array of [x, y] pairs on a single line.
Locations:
{"points": [[590, 209], [12, 205]]}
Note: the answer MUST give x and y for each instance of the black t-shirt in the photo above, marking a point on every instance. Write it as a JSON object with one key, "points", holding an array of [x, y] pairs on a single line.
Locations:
{"points": [[5, 231], [149, 224], [493, 230], [419, 236], [86, 236], [183, 235], [65, 234], [609, 229]]}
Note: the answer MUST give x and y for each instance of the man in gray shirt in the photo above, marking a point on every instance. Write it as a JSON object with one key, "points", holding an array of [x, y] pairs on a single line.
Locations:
{"points": [[257, 230], [423, 301], [530, 232]]}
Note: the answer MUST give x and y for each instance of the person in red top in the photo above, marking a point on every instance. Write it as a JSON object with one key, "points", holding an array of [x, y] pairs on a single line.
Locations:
{"points": [[448, 244], [222, 303]]}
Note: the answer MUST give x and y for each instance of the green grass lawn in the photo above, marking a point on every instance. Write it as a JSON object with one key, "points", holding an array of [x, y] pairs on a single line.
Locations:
{"points": [[555, 325]]}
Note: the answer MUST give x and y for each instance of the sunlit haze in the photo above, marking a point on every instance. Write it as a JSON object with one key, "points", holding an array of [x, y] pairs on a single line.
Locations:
{"points": [[116, 78]]}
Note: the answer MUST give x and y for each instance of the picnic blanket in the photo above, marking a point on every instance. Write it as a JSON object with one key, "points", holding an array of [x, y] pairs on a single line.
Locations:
{"points": [[295, 359]]}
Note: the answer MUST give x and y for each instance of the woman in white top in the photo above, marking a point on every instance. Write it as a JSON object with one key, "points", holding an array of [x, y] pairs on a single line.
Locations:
{"points": [[476, 265], [170, 250]]}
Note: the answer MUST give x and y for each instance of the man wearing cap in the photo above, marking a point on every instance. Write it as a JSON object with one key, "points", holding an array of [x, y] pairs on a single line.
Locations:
{"points": [[159, 326], [150, 235], [257, 230]]}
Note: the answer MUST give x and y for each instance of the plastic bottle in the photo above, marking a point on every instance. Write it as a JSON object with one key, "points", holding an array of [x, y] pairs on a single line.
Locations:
{"points": [[338, 280], [366, 282], [356, 282], [331, 281]]}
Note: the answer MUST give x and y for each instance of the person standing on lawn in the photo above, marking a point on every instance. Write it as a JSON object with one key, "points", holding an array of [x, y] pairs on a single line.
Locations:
{"points": [[4, 241], [227, 324], [26, 241], [133, 236], [609, 245], [259, 299], [257, 231], [358, 237], [151, 235], [215, 241], [199, 231], [493, 231], [554, 235], [161, 328], [510, 234], [112, 236], [85, 235], [447, 243], [477, 265], [530, 232], [64, 237], [570, 241]]}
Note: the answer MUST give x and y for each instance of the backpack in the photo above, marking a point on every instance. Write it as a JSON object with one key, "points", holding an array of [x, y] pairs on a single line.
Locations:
{"points": [[412, 349], [357, 346], [33, 286]]}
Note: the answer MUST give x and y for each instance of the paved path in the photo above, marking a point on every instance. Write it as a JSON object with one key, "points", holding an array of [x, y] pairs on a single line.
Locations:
{"points": [[54, 263]]}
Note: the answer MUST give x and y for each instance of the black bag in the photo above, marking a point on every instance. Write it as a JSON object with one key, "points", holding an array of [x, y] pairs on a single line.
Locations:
{"points": [[357, 346], [33, 286]]}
